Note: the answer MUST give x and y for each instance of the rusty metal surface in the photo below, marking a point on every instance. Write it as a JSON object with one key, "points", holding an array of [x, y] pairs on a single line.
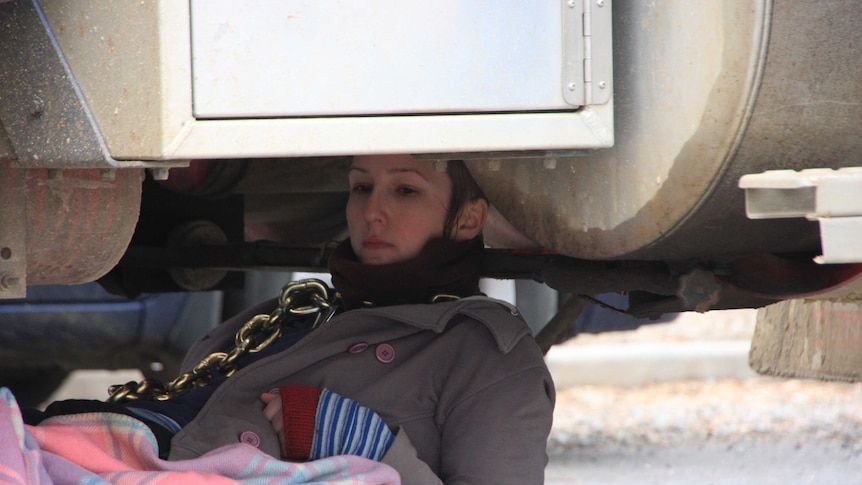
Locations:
{"points": [[41, 105], [13, 241], [6, 151], [56, 226], [79, 222], [806, 115], [122, 42], [705, 92], [682, 94], [60, 94]]}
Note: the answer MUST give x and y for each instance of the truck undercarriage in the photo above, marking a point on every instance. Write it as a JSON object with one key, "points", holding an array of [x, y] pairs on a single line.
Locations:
{"points": [[136, 150]]}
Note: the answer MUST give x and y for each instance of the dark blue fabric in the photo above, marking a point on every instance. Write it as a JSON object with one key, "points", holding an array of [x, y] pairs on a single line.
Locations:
{"points": [[183, 409], [34, 416]]}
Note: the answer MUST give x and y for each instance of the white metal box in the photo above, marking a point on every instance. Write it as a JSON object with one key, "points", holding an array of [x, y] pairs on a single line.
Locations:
{"points": [[168, 79]]}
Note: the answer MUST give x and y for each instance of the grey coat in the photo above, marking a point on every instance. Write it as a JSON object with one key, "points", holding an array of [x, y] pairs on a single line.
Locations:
{"points": [[462, 379]]}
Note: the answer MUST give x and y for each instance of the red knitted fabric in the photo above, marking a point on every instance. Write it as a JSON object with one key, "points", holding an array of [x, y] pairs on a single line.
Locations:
{"points": [[299, 408]]}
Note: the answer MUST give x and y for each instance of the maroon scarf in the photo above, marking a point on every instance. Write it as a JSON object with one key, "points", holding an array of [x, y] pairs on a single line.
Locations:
{"points": [[444, 266]]}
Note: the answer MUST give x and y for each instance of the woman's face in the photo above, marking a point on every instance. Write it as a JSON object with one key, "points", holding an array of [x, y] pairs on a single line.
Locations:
{"points": [[396, 205]]}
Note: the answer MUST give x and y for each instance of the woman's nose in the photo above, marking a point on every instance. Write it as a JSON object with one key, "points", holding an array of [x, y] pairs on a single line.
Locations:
{"points": [[375, 207]]}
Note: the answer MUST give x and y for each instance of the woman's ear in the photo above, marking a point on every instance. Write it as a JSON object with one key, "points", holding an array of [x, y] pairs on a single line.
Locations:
{"points": [[471, 219]]}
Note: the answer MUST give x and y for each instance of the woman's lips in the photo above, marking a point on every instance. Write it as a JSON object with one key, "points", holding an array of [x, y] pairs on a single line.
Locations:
{"points": [[376, 244]]}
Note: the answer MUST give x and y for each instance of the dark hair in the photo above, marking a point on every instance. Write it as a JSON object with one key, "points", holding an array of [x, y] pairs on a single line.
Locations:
{"points": [[464, 189]]}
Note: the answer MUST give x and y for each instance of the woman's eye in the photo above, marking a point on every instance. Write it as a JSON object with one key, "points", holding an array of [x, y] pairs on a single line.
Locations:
{"points": [[361, 188], [403, 190]]}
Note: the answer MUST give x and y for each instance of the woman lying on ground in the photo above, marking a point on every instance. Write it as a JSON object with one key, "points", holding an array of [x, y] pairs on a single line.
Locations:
{"points": [[415, 368]]}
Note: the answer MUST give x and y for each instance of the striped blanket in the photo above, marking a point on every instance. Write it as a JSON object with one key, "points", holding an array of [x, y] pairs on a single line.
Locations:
{"points": [[98, 448]]}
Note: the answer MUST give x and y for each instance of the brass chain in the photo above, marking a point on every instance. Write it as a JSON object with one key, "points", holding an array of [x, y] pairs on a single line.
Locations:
{"points": [[298, 298]]}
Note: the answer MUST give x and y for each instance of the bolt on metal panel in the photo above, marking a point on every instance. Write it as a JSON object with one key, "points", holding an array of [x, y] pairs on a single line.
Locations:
{"points": [[13, 237], [41, 105]]}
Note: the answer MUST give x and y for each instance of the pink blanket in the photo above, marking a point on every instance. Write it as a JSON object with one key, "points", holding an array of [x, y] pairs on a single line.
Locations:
{"points": [[110, 448]]}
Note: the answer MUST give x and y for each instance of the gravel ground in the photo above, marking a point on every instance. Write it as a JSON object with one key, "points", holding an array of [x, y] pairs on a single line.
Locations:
{"points": [[745, 430], [726, 411]]}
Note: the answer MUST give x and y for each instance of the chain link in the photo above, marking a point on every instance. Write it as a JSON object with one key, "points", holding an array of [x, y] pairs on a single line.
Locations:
{"points": [[298, 298]]}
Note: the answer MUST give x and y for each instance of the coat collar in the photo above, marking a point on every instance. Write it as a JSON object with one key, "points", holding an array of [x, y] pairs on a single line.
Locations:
{"points": [[501, 318]]}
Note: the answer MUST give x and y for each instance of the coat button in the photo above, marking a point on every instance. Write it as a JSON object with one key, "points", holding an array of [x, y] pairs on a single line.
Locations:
{"points": [[250, 438], [385, 353], [357, 347]]}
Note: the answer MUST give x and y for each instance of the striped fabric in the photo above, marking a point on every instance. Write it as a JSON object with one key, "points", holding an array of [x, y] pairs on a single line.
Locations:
{"points": [[344, 427]]}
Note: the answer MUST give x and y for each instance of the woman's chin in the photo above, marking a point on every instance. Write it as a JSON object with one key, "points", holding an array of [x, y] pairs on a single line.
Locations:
{"points": [[377, 257]]}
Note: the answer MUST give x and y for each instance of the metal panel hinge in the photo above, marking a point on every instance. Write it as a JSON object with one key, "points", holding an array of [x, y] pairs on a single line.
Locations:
{"points": [[587, 52]]}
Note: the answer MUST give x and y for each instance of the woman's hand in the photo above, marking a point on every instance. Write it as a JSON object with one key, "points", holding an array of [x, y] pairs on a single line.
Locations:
{"points": [[275, 416]]}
